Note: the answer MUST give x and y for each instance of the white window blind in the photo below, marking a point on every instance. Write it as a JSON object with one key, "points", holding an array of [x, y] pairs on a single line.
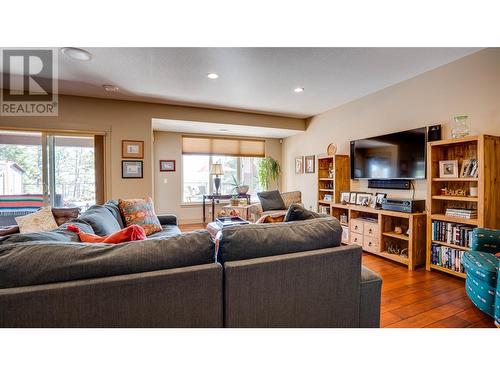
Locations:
{"points": [[222, 146]]}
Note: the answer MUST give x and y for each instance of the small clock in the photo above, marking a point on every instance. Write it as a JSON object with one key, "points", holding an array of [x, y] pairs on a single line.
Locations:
{"points": [[331, 149]]}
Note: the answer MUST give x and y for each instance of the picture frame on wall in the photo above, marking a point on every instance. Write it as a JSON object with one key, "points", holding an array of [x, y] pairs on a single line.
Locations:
{"points": [[167, 165], [132, 169], [132, 149], [448, 169], [309, 162], [299, 164]]}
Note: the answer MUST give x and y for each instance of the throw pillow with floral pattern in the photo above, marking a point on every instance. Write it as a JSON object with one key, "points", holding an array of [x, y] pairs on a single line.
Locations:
{"points": [[140, 212]]}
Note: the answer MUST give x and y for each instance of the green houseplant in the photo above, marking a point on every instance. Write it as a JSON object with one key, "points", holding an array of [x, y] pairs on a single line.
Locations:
{"points": [[239, 187], [268, 170]]}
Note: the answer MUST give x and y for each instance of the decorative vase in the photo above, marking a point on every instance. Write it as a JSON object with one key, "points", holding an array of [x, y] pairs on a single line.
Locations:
{"points": [[243, 189], [461, 128]]}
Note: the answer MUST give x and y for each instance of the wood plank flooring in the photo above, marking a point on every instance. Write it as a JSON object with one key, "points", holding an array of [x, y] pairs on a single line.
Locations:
{"points": [[418, 299]]}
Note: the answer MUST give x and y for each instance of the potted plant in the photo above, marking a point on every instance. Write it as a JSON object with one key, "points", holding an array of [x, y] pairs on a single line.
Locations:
{"points": [[234, 200], [269, 170], [239, 187]]}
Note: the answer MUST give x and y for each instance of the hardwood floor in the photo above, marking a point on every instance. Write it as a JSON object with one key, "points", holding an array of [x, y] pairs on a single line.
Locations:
{"points": [[418, 299]]}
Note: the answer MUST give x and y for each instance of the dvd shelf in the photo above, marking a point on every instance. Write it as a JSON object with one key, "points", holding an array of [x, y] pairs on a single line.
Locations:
{"points": [[456, 201]]}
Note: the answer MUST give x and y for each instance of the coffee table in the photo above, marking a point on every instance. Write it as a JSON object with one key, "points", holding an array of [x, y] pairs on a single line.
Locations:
{"points": [[215, 227]]}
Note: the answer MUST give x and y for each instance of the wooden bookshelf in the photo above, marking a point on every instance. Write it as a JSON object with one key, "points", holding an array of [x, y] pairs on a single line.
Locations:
{"points": [[332, 183], [377, 232], [486, 150]]}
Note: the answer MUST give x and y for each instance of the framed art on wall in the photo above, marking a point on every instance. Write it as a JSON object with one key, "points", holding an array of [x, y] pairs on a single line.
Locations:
{"points": [[299, 164], [131, 168], [132, 149], [309, 163], [167, 165]]}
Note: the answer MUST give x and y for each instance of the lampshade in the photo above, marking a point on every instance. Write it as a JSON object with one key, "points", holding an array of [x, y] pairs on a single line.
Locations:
{"points": [[216, 169]]}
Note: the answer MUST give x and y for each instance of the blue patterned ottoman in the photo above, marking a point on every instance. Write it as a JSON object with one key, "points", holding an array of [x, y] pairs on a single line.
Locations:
{"points": [[481, 282]]}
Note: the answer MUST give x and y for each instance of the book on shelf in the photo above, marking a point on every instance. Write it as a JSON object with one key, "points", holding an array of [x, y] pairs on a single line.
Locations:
{"points": [[464, 213], [447, 257], [454, 234]]}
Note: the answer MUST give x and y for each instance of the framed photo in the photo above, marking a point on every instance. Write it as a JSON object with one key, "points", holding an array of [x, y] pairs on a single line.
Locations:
{"points": [[379, 197], [309, 164], [373, 201], [132, 149], [345, 197], [363, 199], [299, 165], [167, 165], [466, 164], [352, 198], [131, 168], [327, 197], [448, 168]]}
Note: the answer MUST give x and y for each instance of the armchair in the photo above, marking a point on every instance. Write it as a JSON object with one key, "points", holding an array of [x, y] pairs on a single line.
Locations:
{"points": [[482, 282], [255, 210]]}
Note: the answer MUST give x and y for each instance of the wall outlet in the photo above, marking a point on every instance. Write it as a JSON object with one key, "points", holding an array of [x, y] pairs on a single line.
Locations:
{"points": [[165, 180]]}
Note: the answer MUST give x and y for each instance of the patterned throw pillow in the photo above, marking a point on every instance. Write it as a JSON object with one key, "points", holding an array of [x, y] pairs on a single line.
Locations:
{"points": [[140, 212], [39, 221]]}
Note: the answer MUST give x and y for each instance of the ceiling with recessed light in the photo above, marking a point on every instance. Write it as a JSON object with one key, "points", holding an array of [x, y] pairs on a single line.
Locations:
{"points": [[249, 79], [199, 127]]}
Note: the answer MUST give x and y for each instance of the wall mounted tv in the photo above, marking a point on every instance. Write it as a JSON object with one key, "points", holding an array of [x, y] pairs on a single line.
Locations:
{"points": [[391, 156]]}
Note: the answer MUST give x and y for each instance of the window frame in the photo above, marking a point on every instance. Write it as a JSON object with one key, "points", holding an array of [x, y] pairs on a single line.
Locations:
{"points": [[48, 157], [211, 188]]}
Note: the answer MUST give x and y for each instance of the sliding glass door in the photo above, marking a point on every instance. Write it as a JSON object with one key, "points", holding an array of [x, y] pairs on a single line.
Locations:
{"points": [[71, 166], [39, 168], [21, 174]]}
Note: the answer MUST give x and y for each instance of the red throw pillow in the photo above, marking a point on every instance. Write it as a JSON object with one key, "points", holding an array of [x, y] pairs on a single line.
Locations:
{"points": [[132, 233]]}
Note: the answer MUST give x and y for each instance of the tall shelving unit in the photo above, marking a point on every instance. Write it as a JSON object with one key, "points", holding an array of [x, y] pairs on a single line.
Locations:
{"points": [[332, 183], [486, 150]]}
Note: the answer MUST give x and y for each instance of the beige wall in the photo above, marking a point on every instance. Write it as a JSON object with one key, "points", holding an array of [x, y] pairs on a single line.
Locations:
{"points": [[467, 86], [132, 120], [168, 185]]}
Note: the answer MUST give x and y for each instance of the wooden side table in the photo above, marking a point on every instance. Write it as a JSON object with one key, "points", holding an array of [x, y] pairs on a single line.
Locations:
{"points": [[216, 199]]}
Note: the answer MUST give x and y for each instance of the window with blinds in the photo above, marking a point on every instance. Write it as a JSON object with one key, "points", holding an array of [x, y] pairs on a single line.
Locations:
{"points": [[223, 146]]}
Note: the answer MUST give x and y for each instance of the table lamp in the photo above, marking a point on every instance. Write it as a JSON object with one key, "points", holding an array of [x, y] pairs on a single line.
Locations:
{"points": [[216, 169]]}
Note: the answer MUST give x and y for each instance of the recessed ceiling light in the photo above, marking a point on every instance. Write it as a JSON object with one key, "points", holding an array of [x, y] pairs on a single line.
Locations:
{"points": [[110, 88], [212, 75], [77, 54], [298, 89]]}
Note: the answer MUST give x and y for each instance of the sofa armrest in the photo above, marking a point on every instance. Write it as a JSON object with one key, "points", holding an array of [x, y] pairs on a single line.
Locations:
{"points": [[369, 304], [254, 211], [167, 219], [316, 288]]}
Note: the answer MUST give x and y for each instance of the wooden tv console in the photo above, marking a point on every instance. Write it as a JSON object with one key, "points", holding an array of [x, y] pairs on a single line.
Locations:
{"points": [[373, 230]]}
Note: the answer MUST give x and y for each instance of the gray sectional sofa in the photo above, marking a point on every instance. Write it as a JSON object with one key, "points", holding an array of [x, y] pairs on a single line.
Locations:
{"points": [[291, 274]]}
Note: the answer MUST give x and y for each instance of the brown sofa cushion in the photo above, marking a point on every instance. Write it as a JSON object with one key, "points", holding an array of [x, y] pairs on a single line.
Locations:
{"points": [[61, 215], [64, 214]]}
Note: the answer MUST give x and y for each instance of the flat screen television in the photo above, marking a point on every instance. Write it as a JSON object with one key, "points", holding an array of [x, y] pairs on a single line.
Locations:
{"points": [[391, 156]]}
